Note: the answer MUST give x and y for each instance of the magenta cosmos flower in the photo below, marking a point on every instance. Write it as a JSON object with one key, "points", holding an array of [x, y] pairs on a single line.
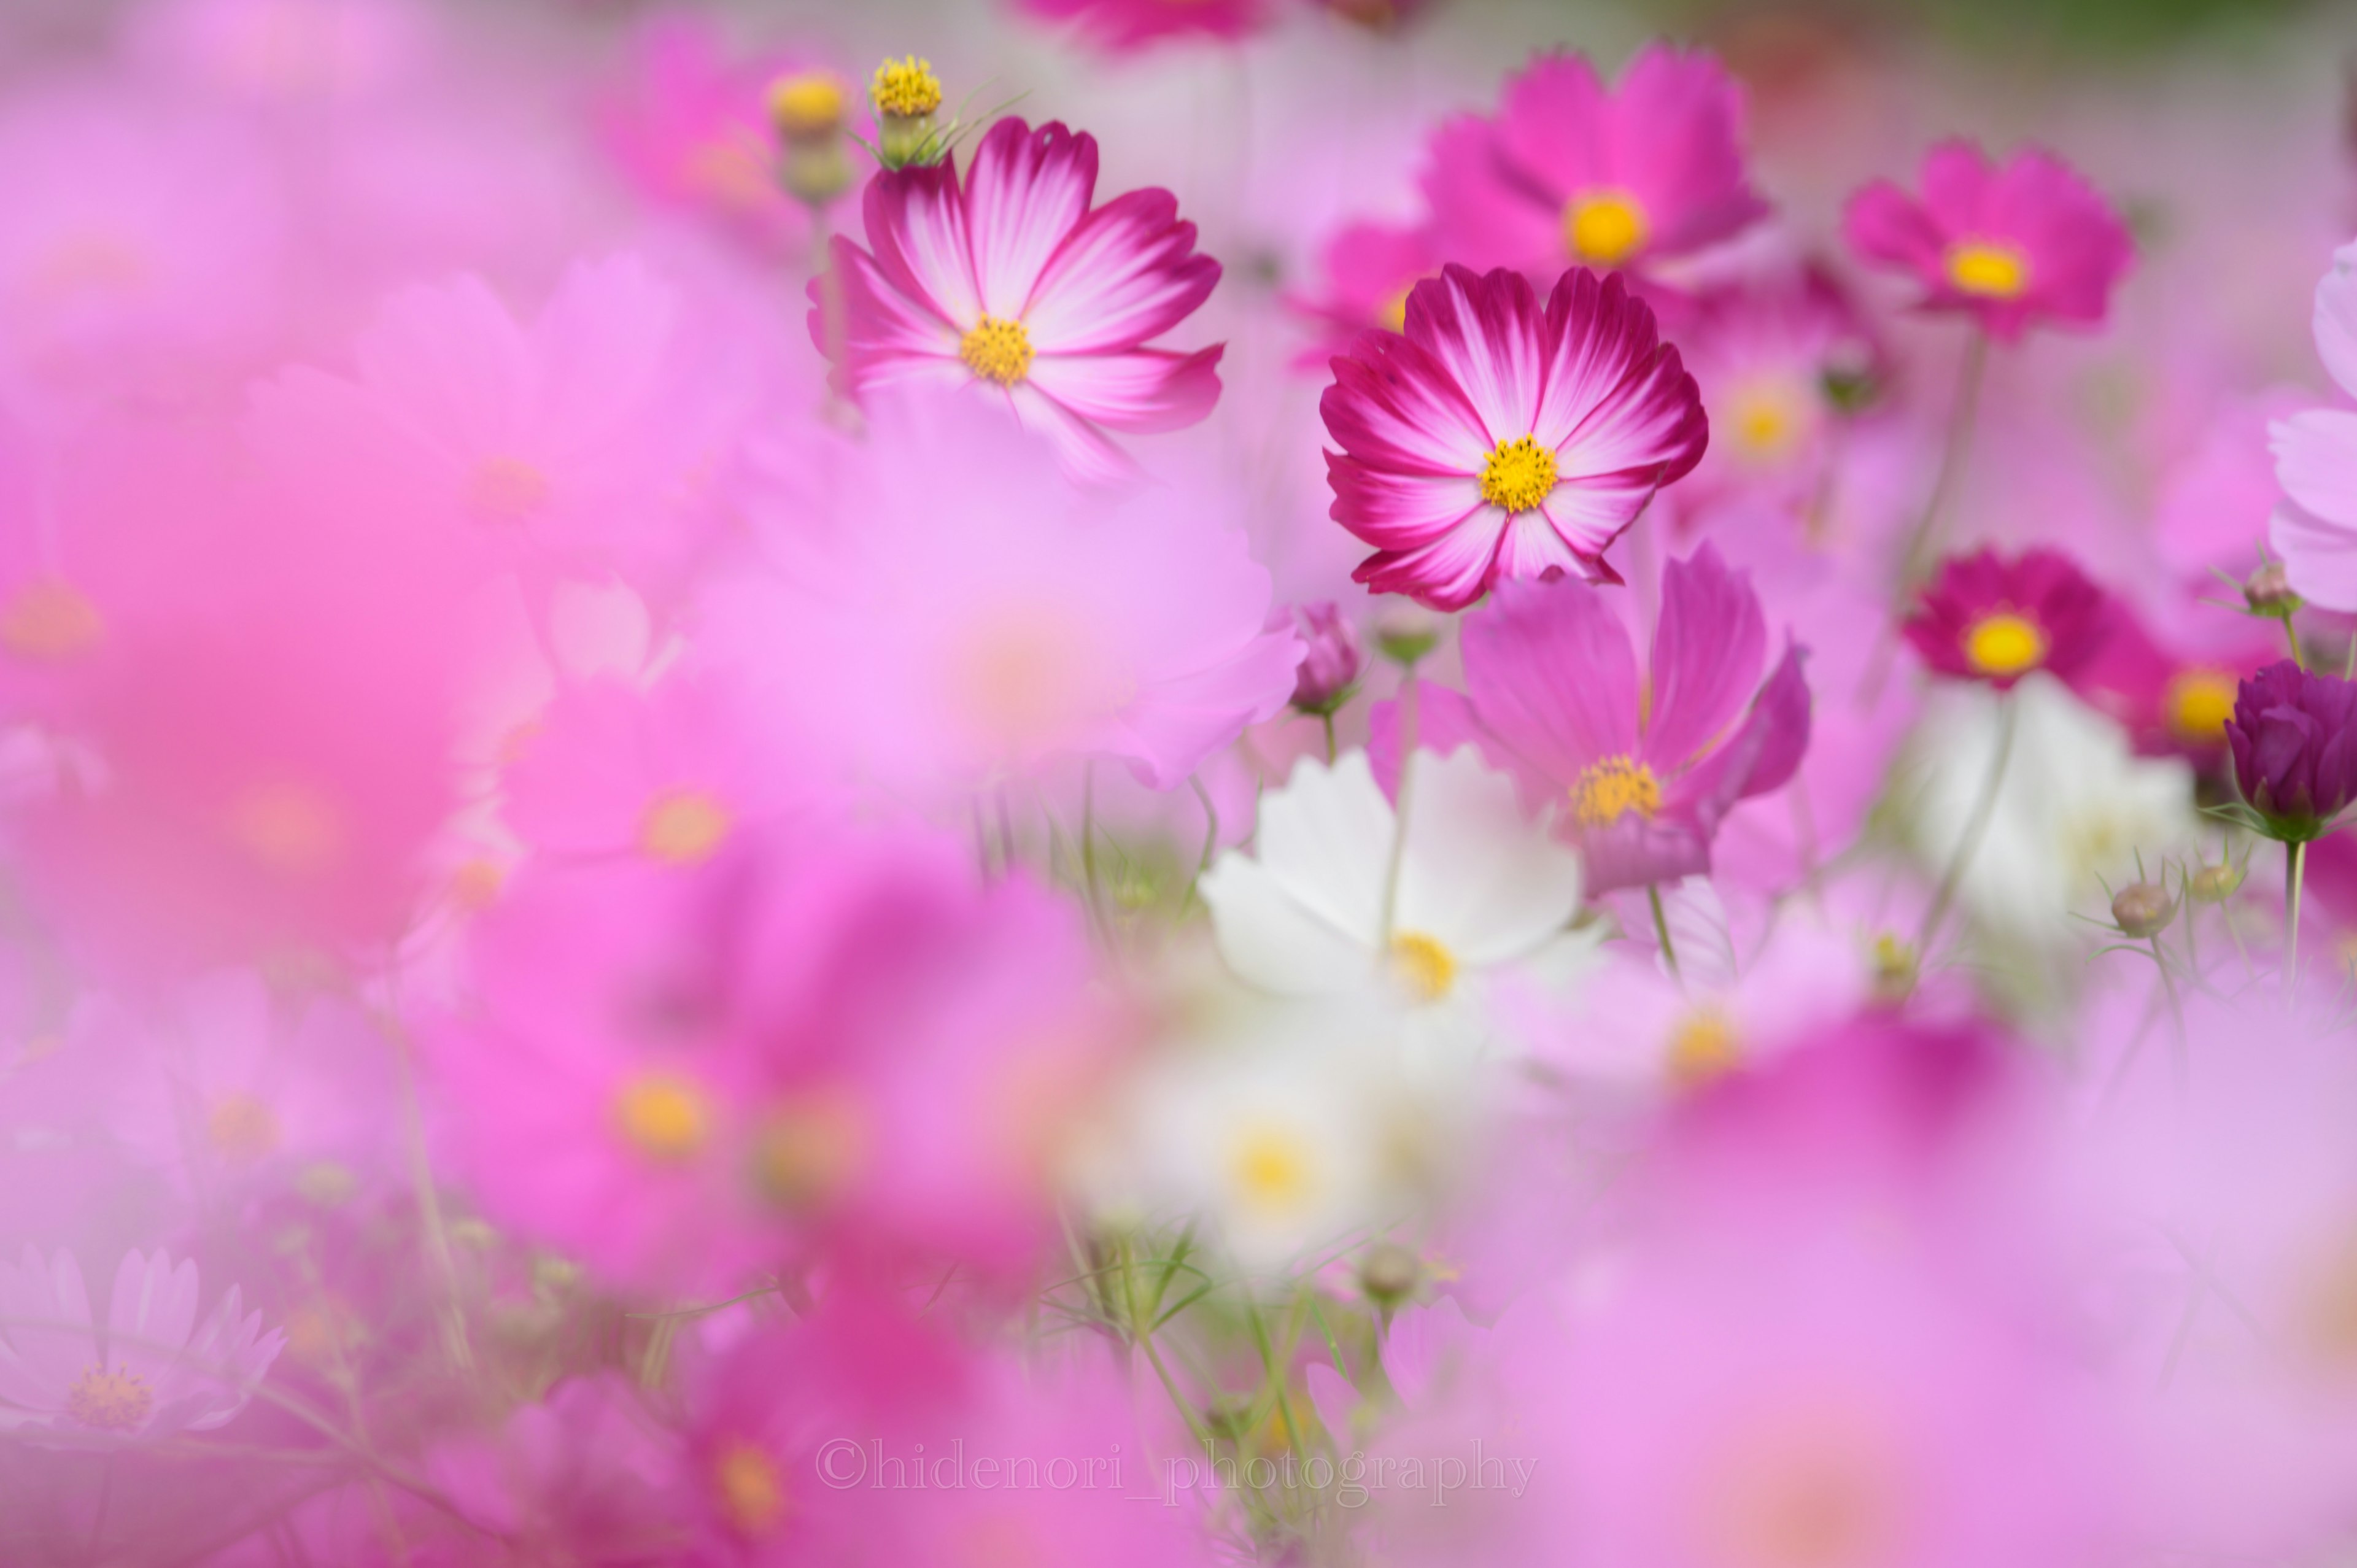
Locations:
{"points": [[2294, 737], [1986, 617], [1638, 769], [1497, 439], [1573, 172], [1013, 282], [1135, 24], [2030, 241]]}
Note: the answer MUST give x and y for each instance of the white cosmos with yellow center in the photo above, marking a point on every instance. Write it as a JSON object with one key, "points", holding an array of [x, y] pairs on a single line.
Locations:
{"points": [[1480, 884]]}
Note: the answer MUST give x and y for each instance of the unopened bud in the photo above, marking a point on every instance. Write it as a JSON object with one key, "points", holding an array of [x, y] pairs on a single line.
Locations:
{"points": [[807, 109], [2143, 909], [2215, 884], [2268, 591], [1329, 670], [1405, 633], [906, 95], [1389, 1273]]}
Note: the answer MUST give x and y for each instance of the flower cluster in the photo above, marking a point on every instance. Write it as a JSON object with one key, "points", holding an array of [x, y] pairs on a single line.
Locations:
{"points": [[1000, 803]]}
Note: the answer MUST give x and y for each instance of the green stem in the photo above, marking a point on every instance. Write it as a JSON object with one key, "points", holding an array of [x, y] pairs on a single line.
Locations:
{"points": [[1400, 810], [1211, 841], [2292, 632], [1963, 415], [1662, 927], [1328, 720], [2176, 1010], [2296, 866], [1975, 827]]}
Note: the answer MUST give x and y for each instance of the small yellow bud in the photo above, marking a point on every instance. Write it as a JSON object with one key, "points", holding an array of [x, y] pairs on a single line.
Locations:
{"points": [[904, 87], [808, 103]]}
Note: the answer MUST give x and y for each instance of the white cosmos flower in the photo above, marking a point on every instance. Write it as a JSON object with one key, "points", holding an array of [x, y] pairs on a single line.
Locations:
{"points": [[1480, 885]]}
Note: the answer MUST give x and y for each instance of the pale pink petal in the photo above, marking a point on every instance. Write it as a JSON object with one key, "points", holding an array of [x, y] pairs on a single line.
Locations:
{"points": [[152, 1309], [1708, 648], [1531, 548], [1553, 675], [2320, 556], [1024, 192], [1127, 273], [453, 360], [2336, 318], [1083, 450], [1447, 574], [1393, 406], [1403, 511], [2316, 462], [1484, 331], [600, 344], [1143, 390], [916, 228]]}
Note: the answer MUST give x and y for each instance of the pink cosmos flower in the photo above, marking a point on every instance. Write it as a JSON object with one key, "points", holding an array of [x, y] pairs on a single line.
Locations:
{"points": [[1651, 763], [1498, 440], [150, 1371], [1012, 281], [1369, 269], [979, 618], [1134, 23], [580, 1473], [2031, 241], [1573, 173], [1991, 617], [2315, 529]]}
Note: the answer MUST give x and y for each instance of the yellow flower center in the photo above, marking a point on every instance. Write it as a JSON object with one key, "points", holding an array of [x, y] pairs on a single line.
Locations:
{"points": [[1272, 1170], [733, 170], [1771, 417], [1393, 316], [1609, 790], [662, 1116], [475, 884], [292, 829], [906, 87], [2004, 644], [507, 489], [49, 623], [810, 104], [809, 1150], [1818, 1491], [241, 1128], [111, 1401], [1427, 968], [1701, 1047], [1987, 269], [1519, 475], [2200, 703], [684, 828], [997, 350], [752, 1493], [1604, 228]]}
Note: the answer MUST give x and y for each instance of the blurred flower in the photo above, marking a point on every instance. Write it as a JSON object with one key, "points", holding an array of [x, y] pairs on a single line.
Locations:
{"points": [[1136, 24], [150, 1373], [1988, 617], [1498, 440], [2029, 243], [1649, 768], [1012, 282], [2315, 529], [1369, 269], [1572, 174], [2294, 740], [1477, 885], [583, 1469], [1331, 661]]}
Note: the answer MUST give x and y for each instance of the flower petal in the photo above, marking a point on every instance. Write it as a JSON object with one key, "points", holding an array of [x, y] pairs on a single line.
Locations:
{"points": [[1708, 648], [2316, 462], [1025, 191], [1551, 673], [1125, 273], [2319, 557], [915, 219], [1143, 390], [1393, 406], [1478, 875], [1484, 330]]}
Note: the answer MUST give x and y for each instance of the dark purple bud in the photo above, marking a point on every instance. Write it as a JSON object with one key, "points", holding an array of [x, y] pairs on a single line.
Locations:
{"points": [[1331, 668], [2294, 740]]}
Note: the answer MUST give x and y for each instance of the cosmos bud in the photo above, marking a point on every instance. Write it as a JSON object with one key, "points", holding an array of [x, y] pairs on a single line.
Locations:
{"points": [[2268, 591], [2143, 909], [807, 109], [906, 95], [1389, 1273], [1330, 670], [1405, 633]]}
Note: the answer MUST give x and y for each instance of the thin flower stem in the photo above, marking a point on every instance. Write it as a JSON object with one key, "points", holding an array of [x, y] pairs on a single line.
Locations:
{"points": [[436, 1237], [1963, 415], [1210, 841], [1400, 810], [1328, 720], [1088, 839], [2177, 1060], [2292, 632], [1975, 828], [2296, 867], [1662, 927]]}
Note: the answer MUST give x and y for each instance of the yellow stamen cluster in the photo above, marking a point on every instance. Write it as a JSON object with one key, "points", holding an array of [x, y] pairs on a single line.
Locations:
{"points": [[905, 87], [2200, 703], [241, 1128], [1988, 270], [1271, 1170], [292, 829], [1609, 790], [809, 1151], [752, 1492], [1605, 228], [686, 827], [997, 350], [2004, 643], [47, 622], [1701, 1047], [110, 1401], [662, 1116], [809, 103], [1423, 964], [1519, 475]]}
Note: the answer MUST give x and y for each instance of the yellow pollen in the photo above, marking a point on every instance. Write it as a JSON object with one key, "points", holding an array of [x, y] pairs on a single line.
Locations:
{"points": [[1702, 1048], [110, 1401], [292, 829], [2004, 644], [507, 489], [808, 104], [1609, 790], [1771, 417], [1604, 228], [1393, 316], [1519, 475], [997, 350], [1987, 269], [662, 1116], [1428, 969], [49, 623], [684, 828], [905, 87], [475, 884], [241, 1128], [2200, 703], [809, 1150], [752, 1493], [1271, 1170]]}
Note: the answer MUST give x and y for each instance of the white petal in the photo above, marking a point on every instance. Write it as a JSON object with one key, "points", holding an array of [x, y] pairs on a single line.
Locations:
{"points": [[1478, 876], [2336, 318], [1326, 838], [1272, 940]]}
